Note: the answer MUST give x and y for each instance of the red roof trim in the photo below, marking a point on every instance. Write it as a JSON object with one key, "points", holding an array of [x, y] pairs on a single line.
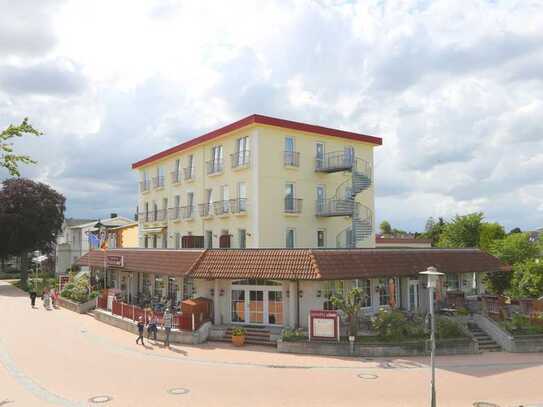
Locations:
{"points": [[260, 119]]}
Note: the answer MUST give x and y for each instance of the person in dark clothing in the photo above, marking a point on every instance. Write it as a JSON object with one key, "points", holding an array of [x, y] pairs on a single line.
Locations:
{"points": [[152, 327], [167, 323], [141, 326], [33, 296]]}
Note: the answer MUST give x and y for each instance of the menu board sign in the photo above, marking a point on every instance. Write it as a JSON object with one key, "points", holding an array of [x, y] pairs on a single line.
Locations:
{"points": [[116, 261], [323, 325]]}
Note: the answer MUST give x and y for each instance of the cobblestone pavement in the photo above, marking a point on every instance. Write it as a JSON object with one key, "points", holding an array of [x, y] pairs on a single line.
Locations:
{"points": [[62, 358]]}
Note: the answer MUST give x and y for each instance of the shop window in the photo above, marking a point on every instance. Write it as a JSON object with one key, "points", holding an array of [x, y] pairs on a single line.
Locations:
{"points": [[382, 289], [365, 287], [332, 288], [453, 282]]}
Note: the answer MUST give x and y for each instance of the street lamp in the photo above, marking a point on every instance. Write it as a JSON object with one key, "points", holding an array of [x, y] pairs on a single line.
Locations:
{"points": [[433, 276]]}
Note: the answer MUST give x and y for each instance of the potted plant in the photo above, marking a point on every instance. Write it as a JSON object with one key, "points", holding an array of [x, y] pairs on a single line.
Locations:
{"points": [[238, 336]]}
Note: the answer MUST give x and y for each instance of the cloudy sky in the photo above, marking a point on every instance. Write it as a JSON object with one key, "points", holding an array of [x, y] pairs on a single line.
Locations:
{"points": [[454, 88]]}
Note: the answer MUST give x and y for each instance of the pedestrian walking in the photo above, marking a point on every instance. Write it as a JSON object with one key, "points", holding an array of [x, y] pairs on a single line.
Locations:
{"points": [[141, 326], [152, 327], [33, 296], [167, 322], [54, 296], [46, 299]]}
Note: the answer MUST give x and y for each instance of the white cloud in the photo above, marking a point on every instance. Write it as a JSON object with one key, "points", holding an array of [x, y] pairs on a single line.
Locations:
{"points": [[454, 89]]}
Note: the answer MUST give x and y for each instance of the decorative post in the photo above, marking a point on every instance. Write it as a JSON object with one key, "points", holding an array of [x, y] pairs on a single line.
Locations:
{"points": [[433, 276]]}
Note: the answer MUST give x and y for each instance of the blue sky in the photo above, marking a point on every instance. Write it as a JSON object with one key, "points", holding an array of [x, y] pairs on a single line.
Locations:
{"points": [[455, 89]]}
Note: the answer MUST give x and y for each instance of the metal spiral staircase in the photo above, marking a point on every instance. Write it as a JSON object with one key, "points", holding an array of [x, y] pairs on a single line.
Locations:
{"points": [[344, 201]]}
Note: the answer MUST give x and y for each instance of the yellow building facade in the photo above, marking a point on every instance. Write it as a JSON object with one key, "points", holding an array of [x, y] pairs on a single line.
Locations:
{"points": [[260, 182]]}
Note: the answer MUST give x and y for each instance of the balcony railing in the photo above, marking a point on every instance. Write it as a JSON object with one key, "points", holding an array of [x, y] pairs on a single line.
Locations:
{"points": [[175, 213], [176, 176], [205, 209], [158, 182], [335, 161], [221, 207], [187, 212], [215, 166], [145, 185], [189, 173], [291, 158], [293, 205], [143, 217], [241, 159], [159, 215], [238, 205], [334, 207]]}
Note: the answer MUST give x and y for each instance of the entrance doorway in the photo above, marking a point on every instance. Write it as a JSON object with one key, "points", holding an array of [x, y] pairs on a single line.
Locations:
{"points": [[413, 302], [258, 302]]}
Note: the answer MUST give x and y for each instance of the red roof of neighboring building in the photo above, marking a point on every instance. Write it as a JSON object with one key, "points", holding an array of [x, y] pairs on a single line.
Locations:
{"points": [[260, 119], [298, 264], [385, 239]]}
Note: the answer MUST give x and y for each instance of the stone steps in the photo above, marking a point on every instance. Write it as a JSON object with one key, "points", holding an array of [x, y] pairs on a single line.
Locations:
{"points": [[254, 336], [486, 343]]}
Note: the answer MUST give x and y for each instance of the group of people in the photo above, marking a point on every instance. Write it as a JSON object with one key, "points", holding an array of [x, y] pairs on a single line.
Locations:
{"points": [[152, 327], [49, 297]]}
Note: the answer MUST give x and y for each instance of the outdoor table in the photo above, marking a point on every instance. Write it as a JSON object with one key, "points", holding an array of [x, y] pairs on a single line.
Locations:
{"points": [[448, 311]]}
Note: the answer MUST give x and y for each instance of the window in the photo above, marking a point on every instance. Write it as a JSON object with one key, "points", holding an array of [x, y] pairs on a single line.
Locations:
{"points": [[164, 208], [146, 211], [178, 240], [177, 204], [453, 283], [242, 151], [365, 287], [242, 197], [224, 198], [155, 211], [332, 288], [321, 198], [189, 171], [209, 239], [190, 204], [349, 156], [165, 240], [319, 155], [188, 288], [289, 144], [155, 241], [382, 288], [290, 239], [146, 242], [177, 166], [216, 163], [321, 239], [291, 157], [242, 238], [289, 197]]}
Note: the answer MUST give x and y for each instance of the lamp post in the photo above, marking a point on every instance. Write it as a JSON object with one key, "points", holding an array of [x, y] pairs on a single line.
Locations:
{"points": [[433, 276]]}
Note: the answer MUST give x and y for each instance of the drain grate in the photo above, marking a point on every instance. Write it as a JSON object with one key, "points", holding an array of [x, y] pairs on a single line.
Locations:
{"points": [[484, 404], [368, 376], [177, 391], [100, 399]]}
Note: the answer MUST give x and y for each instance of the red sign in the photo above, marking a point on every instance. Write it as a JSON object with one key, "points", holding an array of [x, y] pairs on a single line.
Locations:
{"points": [[117, 261], [323, 325]]}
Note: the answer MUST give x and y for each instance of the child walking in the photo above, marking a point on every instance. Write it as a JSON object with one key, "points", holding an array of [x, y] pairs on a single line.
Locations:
{"points": [[141, 326]]}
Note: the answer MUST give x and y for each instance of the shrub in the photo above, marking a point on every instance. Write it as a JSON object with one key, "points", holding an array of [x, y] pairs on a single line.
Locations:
{"points": [[78, 290], [463, 312], [521, 324], [290, 335], [394, 325], [447, 328], [239, 331]]}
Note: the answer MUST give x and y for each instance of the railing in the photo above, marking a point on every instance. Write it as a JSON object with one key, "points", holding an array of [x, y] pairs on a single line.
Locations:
{"points": [[158, 182], [143, 217], [238, 205], [204, 209], [293, 205], [189, 173], [175, 213], [335, 161], [334, 207], [215, 166], [153, 216], [240, 159], [221, 207], [176, 176], [291, 158], [145, 185], [187, 212]]}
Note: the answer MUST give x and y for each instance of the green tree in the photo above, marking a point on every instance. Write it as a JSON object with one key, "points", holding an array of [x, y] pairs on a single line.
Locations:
{"points": [[386, 229], [462, 231], [489, 233], [515, 248], [515, 230], [433, 230], [350, 305], [527, 279], [8, 158], [31, 216]]}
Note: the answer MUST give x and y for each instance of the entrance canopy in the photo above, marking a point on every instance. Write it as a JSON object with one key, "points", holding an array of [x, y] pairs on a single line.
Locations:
{"points": [[293, 264]]}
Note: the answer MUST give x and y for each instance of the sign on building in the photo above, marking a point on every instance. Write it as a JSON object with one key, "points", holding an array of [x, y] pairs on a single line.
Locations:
{"points": [[323, 325], [116, 261]]}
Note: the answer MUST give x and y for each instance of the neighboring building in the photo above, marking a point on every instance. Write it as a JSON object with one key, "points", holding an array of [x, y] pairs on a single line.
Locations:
{"points": [[402, 241], [125, 236], [73, 241], [260, 182]]}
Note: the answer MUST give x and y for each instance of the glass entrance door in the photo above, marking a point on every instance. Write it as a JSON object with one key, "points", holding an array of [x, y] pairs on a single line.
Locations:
{"points": [[257, 304], [413, 295], [238, 305], [256, 307]]}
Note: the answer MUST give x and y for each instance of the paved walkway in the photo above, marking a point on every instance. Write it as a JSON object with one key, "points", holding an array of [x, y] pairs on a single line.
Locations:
{"points": [[62, 358]]}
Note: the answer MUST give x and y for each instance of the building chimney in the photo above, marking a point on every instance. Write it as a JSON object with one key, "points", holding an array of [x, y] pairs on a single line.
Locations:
{"points": [[113, 215]]}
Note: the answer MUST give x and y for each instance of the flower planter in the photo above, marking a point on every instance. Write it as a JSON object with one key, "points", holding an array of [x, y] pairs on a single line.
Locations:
{"points": [[238, 340]]}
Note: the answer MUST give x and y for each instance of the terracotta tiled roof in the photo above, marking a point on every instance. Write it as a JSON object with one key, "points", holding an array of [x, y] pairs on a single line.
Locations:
{"points": [[278, 264], [298, 264], [385, 239], [170, 262]]}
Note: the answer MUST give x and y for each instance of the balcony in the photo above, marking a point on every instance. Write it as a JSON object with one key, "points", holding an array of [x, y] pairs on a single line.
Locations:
{"points": [[291, 158], [334, 207], [241, 159], [293, 205], [158, 182], [145, 186], [215, 167], [238, 206], [176, 177], [189, 173], [153, 216], [205, 210], [187, 212], [334, 162], [175, 213], [221, 208]]}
